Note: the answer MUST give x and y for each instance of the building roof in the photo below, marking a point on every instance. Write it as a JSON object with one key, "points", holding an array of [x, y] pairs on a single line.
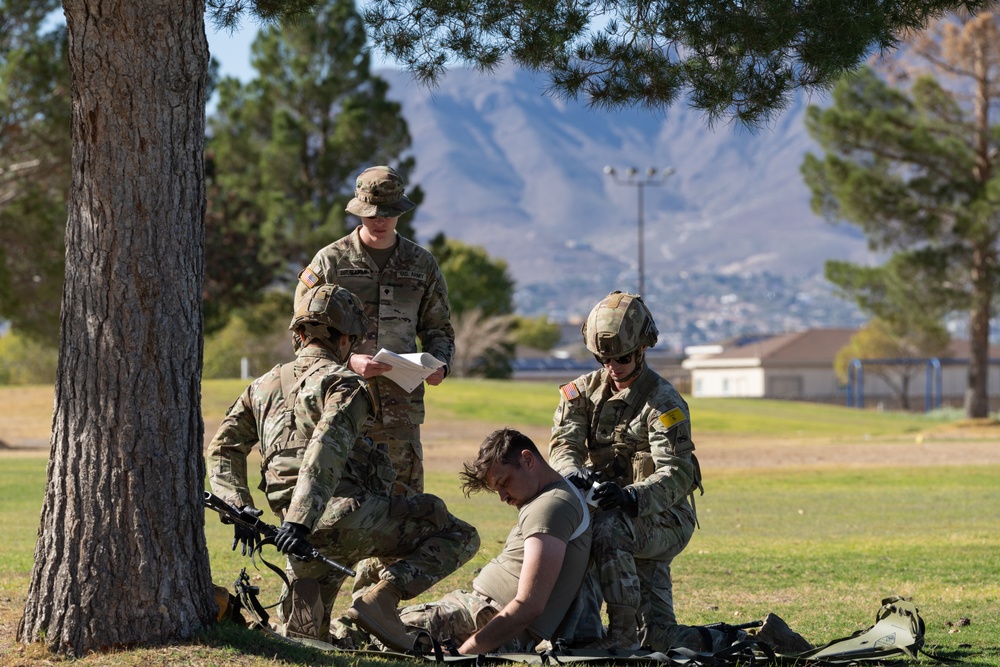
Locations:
{"points": [[813, 346], [810, 346]]}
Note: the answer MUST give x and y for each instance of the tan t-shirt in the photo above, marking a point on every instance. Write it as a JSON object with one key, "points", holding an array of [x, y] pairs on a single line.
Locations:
{"points": [[555, 511]]}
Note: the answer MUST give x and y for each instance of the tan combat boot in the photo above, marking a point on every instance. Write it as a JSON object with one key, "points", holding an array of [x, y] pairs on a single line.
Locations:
{"points": [[375, 611], [782, 638], [623, 630]]}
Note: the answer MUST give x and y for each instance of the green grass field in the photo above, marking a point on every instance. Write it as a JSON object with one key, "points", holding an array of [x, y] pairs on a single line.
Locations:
{"points": [[820, 546]]}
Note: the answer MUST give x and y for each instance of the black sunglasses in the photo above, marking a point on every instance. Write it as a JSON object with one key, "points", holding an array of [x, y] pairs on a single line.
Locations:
{"points": [[604, 361]]}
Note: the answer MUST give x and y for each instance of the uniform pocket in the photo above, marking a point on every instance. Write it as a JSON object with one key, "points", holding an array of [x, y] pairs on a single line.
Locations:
{"points": [[642, 466]]}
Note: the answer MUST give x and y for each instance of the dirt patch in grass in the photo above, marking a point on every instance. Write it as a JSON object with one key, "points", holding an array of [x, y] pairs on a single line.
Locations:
{"points": [[446, 445]]}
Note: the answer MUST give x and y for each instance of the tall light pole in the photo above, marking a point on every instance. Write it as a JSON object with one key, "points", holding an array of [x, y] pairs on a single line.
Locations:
{"points": [[652, 177]]}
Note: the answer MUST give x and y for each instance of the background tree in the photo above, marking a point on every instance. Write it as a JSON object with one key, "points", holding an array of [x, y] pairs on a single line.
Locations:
{"points": [[288, 144], [257, 331], [482, 343], [909, 349], [238, 267], [539, 333], [476, 281], [23, 360], [481, 293], [742, 60], [914, 166], [34, 166]]}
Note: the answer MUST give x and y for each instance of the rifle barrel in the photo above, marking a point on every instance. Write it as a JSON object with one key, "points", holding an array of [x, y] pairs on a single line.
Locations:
{"points": [[307, 552]]}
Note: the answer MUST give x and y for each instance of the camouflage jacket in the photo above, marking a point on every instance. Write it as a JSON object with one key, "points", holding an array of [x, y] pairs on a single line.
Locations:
{"points": [[405, 301], [309, 453], [640, 436]]}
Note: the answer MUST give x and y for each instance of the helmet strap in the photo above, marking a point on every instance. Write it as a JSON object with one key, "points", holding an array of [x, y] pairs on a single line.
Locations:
{"points": [[326, 344]]}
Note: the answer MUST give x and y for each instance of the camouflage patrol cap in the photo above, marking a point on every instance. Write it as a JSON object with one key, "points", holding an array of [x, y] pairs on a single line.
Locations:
{"points": [[619, 324], [330, 306], [379, 193]]}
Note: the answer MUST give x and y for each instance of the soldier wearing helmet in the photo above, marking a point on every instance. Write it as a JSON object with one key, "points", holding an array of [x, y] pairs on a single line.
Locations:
{"points": [[324, 480], [625, 433], [329, 313]]}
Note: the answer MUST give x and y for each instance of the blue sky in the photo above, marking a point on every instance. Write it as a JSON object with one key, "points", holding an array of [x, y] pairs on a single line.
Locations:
{"points": [[232, 50]]}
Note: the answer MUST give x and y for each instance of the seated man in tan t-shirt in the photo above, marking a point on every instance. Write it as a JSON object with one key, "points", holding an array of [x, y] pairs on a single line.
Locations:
{"points": [[522, 595]]}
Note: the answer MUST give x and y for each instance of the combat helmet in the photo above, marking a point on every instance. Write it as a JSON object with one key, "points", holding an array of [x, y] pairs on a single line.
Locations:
{"points": [[327, 309], [619, 324]]}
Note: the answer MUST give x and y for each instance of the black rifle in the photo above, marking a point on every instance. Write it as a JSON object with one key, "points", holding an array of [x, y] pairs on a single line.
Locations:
{"points": [[305, 552], [739, 626]]}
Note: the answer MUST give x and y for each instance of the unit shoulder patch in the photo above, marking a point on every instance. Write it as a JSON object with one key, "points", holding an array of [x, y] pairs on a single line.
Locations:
{"points": [[671, 417], [569, 391]]}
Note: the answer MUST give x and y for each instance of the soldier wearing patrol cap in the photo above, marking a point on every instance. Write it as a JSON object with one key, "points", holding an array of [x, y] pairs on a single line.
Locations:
{"points": [[329, 484], [405, 298], [625, 432]]}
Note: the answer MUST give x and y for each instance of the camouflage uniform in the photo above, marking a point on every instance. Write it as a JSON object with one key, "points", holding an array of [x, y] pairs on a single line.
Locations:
{"points": [[641, 439], [457, 616], [405, 301], [318, 472]]}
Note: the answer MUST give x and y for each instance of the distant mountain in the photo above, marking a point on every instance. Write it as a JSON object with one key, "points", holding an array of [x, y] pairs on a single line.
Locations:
{"points": [[509, 167]]}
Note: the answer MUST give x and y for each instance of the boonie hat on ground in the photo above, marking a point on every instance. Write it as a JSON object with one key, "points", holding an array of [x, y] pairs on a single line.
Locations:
{"points": [[379, 193]]}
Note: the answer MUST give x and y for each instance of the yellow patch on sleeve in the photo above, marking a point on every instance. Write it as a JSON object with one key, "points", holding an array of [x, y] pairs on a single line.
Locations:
{"points": [[671, 417], [569, 391], [308, 277]]}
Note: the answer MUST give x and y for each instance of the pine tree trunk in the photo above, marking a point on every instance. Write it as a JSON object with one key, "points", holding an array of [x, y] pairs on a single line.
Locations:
{"points": [[121, 557], [977, 401]]}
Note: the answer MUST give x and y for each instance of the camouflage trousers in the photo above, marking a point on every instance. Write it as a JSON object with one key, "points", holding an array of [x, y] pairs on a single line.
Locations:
{"points": [[425, 541], [630, 565], [456, 617], [406, 454]]}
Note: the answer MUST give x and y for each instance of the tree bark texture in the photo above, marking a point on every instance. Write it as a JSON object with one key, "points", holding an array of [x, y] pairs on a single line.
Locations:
{"points": [[121, 557]]}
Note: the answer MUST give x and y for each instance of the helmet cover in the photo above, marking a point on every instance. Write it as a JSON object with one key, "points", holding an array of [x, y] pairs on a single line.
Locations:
{"points": [[620, 323], [329, 306]]}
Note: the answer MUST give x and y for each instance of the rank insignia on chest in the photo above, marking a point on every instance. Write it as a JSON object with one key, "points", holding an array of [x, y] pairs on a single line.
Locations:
{"points": [[569, 391], [671, 417], [308, 277]]}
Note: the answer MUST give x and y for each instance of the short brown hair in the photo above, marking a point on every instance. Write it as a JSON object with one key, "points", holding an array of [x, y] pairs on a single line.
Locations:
{"points": [[501, 446]]}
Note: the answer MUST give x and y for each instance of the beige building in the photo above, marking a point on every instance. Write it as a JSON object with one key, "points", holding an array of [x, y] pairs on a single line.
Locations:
{"points": [[799, 366]]}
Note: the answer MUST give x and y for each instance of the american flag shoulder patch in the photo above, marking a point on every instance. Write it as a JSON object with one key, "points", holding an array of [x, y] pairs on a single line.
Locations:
{"points": [[308, 277], [671, 417], [569, 391]]}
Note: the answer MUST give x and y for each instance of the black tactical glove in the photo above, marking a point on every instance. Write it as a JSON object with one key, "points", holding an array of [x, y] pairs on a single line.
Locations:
{"points": [[609, 495], [290, 537], [582, 479], [248, 537]]}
